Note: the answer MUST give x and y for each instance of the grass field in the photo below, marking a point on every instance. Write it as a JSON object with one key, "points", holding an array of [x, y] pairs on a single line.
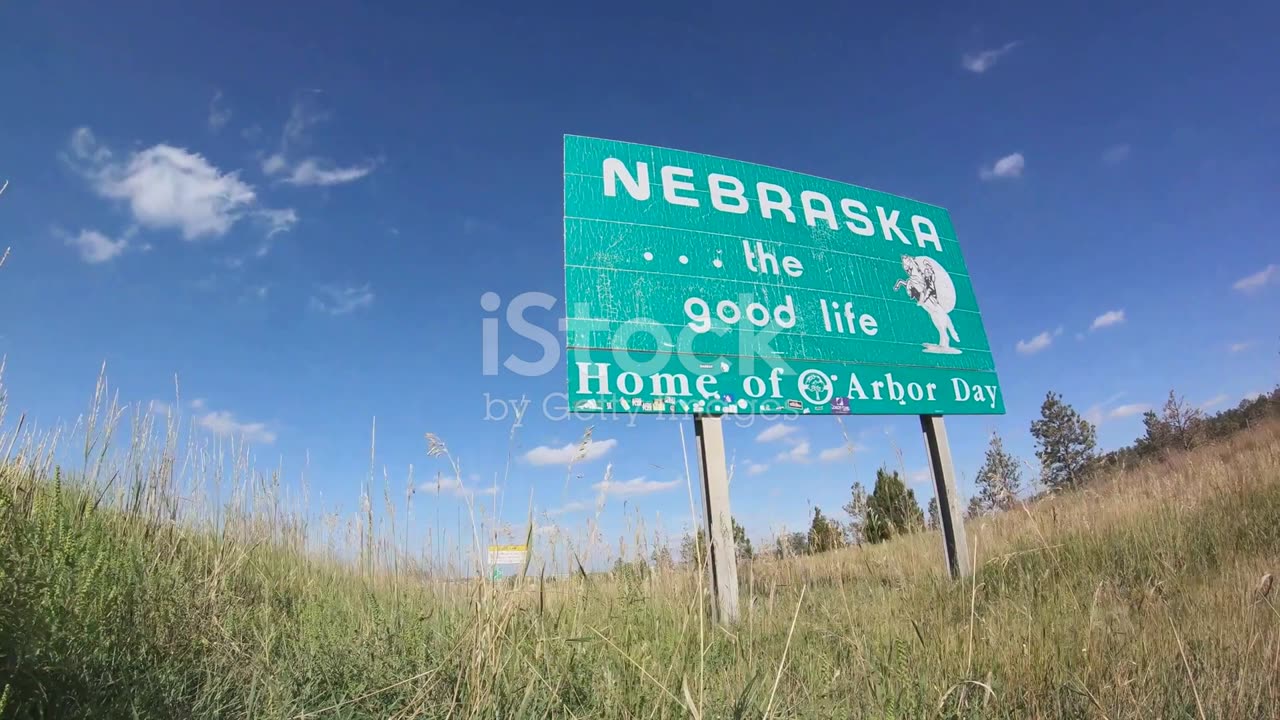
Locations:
{"points": [[123, 594]]}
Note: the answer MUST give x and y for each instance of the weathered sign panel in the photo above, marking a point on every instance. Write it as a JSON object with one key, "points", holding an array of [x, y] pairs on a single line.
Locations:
{"points": [[508, 554], [700, 284]]}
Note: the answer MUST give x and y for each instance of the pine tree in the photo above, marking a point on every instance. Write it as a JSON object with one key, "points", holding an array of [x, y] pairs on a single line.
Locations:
{"points": [[1178, 426], [824, 534], [935, 516], [974, 510], [1066, 443], [857, 509], [662, 558], [790, 544], [999, 479], [741, 543], [693, 548], [892, 509]]}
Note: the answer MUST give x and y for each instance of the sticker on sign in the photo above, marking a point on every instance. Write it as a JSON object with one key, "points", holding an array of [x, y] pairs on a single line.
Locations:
{"points": [[697, 283]]}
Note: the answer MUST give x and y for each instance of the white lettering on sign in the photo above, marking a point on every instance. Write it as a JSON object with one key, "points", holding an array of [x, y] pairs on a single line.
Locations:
{"points": [[728, 195]]}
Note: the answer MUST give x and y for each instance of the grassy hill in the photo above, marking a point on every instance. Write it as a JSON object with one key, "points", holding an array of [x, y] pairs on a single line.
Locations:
{"points": [[1146, 595]]}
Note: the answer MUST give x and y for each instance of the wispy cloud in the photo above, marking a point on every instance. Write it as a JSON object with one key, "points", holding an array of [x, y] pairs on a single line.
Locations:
{"points": [[1124, 411], [303, 115], [1107, 319], [573, 452], [219, 114], [839, 452], [1116, 154], [1240, 346], [1037, 343], [634, 486], [799, 453], [278, 221], [342, 300], [1258, 280], [1097, 414], [224, 423], [1009, 166], [778, 430], [94, 247], [757, 468], [1214, 401], [570, 507], [166, 187], [444, 485], [315, 171], [310, 170], [919, 476], [983, 60]]}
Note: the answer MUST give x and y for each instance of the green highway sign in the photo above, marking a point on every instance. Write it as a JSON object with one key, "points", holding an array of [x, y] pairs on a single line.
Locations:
{"points": [[696, 284]]}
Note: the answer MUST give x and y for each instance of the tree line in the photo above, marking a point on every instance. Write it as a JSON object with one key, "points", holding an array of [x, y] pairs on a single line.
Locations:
{"points": [[1067, 457]]}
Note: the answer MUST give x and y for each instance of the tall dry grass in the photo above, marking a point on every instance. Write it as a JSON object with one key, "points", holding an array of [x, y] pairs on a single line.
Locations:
{"points": [[158, 575]]}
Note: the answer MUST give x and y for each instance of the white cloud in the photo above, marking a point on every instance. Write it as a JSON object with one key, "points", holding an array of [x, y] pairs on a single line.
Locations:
{"points": [[838, 452], [453, 486], [1096, 414], [776, 431], [1214, 401], [278, 221], [225, 424], [1240, 346], [919, 476], [1124, 411], [219, 115], [302, 117], [573, 452], [634, 486], [983, 60], [757, 468], [1258, 280], [166, 187], [442, 485], [94, 247], [1009, 166], [160, 407], [1116, 154], [1107, 319], [314, 171], [1035, 344], [342, 300], [799, 453], [86, 148], [274, 164], [571, 507], [309, 171]]}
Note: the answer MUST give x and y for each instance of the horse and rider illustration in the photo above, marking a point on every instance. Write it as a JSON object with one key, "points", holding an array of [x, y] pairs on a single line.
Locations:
{"points": [[931, 287]]}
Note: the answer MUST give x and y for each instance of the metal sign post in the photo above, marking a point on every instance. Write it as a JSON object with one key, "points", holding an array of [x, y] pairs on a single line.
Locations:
{"points": [[721, 553], [954, 541]]}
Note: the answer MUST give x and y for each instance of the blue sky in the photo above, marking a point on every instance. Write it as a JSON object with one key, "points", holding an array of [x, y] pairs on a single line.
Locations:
{"points": [[297, 213]]}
